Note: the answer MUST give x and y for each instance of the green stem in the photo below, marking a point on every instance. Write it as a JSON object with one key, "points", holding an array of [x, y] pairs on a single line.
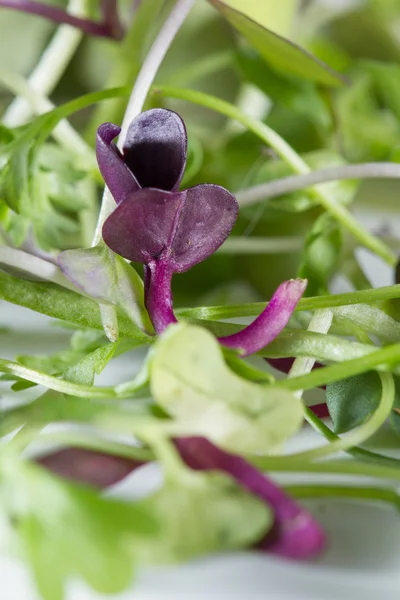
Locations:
{"points": [[286, 152], [390, 469], [253, 309], [341, 491], [64, 133], [320, 323], [384, 357]]}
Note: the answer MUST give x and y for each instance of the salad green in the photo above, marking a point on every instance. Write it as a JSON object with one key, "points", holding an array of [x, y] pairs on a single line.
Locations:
{"points": [[189, 161]]}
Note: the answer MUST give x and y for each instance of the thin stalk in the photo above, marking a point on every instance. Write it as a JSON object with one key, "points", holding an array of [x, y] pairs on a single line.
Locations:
{"points": [[51, 67], [293, 183], [320, 323], [390, 355], [353, 468], [64, 133], [252, 309], [349, 492], [289, 156]]}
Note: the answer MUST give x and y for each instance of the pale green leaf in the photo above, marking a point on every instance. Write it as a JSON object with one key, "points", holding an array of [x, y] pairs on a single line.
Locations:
{"points": [[191, 382], [203, 513]]}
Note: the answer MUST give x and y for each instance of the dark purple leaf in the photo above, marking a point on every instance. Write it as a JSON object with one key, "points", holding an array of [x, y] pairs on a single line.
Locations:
{"points": [[119, 179], [155, 149], [182, 228], [90, 467], [271, 321], [296, 534]]}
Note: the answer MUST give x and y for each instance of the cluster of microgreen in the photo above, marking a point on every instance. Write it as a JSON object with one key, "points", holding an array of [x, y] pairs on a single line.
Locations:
{"points": [[213, 421]]}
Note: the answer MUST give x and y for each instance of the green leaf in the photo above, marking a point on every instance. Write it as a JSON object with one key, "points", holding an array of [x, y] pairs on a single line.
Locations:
{"points": [[274, 14], [300, 97], [278, 51], [352, 401], [60, 303], [68, 530], [321, 254], [84, 371], [190, 380], [51, 364], [203, 513], [367, 129], [104, 275]]}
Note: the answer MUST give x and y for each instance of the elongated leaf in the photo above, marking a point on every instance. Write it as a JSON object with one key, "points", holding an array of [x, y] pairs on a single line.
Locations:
{"points": [[278, 51], [63, 304], [190, 380]]}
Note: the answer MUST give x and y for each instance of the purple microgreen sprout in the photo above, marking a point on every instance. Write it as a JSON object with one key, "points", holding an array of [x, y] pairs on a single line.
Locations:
{"points": [[170, 231]]}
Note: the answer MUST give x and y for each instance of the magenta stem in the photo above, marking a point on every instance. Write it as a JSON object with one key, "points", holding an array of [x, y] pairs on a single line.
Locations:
{"points": [[271, 322], [108, 28], [158, 294]]}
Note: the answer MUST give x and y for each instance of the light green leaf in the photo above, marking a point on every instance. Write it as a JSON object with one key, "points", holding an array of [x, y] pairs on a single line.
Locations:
{"points": [[67, 530], [92, 364], [274, 14], [203, 513], [106, 276], [367, 129], [191, 382], [60, 303], [300, 97], [278, 51]]}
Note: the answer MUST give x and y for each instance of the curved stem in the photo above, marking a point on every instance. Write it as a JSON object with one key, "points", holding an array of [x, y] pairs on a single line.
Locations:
{"points": [[286, 185], [290, 157], [270, 322], [51, 67]]}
